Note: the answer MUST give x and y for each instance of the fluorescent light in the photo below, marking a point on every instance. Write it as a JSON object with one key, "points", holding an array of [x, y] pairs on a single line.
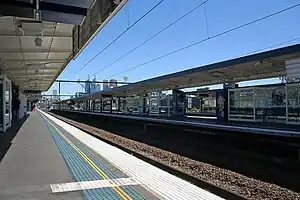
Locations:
{"points": [[38, 41]]}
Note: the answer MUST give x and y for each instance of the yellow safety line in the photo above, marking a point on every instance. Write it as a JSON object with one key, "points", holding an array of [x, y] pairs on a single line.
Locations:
{"points": [[119, 190]]}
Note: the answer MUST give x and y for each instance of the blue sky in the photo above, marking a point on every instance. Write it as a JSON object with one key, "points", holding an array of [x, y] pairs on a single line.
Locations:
{"points": [[222, 15]]}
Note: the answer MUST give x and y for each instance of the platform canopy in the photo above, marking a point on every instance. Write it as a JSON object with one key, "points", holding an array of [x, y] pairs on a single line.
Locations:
{"points": [[39, 38], [267, 64]]}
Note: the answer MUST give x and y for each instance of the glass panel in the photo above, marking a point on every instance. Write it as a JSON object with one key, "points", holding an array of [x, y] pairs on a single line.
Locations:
{"points": [[294, 103], [194, 105], [7, 98], [270, 103], [263, 99], [154, 105], [241, 105], [1, 103], [209, 104], [203, 105], [233, 100], [123, 106]]}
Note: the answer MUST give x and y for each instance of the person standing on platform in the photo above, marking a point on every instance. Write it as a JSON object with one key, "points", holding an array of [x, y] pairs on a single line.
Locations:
{"points": [[16, 108]]}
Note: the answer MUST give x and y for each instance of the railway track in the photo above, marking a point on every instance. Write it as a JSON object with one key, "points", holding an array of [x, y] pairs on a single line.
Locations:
{"points": [[176, 158]]}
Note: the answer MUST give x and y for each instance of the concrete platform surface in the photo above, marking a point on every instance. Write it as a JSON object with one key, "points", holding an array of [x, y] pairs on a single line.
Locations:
{"points": [[50, 159], [160, 183], [32, 163]]}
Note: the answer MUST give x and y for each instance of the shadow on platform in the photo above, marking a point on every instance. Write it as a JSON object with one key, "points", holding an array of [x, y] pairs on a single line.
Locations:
{"points": [[7, 137]]}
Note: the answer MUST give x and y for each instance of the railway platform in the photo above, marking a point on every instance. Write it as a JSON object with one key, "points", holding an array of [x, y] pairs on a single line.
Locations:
{"points": [[269, 129], [50, 159]]}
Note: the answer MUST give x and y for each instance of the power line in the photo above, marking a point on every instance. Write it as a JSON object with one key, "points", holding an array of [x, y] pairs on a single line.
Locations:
{"points": [[113, 41], [152, 37], [249, 53], [201, 41]]}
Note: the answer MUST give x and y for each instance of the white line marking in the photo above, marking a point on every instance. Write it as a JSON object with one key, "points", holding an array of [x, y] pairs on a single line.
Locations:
{"points": [[85, 185], [160, 183]]}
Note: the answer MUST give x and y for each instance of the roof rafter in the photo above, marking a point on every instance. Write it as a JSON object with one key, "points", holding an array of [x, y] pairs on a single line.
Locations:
{"points": [[35, 50]]}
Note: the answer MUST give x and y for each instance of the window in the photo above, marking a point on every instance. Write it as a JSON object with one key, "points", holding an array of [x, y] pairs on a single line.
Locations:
{"points": [[7, 98]]}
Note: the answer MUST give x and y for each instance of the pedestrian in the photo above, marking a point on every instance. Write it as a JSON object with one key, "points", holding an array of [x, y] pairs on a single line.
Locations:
{"points": [[34, 108], [15, 108]]}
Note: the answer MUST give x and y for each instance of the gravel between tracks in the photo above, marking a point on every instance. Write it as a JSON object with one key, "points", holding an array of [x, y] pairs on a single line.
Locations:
{"points": [[237, 183]]}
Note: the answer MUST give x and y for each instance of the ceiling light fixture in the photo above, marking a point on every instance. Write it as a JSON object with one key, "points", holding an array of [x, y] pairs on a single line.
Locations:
{"points": [[38, 41]]}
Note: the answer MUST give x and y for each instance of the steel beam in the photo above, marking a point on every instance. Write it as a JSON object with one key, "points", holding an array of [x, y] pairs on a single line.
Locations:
{"points": [[31, 68], [20, 11], [35, 60], [32, 76], [48, 6], [61, 95], [44, 35], [35, 51], [40, 83], [78, 81], [55, 7]]}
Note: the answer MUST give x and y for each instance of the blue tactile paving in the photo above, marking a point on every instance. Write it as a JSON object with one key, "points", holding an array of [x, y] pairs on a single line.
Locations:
{"points": [[81, 171], [112, 175]]}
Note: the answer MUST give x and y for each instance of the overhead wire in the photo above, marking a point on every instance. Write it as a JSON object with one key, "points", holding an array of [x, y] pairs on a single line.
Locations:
{"points": [[119, 36], [249, 53], [206, 39], [152, 37]]}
